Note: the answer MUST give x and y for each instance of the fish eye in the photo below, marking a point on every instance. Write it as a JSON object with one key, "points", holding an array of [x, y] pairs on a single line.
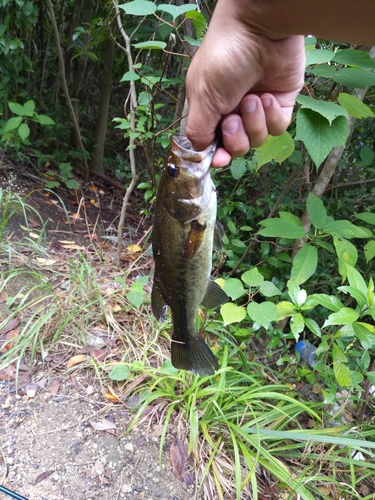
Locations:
{"points": [[172, 170]]}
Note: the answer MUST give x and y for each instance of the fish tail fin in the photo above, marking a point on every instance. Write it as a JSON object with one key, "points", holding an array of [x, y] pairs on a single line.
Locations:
{"points": [[194, 355]]}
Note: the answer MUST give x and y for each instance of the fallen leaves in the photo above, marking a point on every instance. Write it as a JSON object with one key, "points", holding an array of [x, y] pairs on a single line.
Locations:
{"points": [[104, 425], [76, 360], [179, 457]]}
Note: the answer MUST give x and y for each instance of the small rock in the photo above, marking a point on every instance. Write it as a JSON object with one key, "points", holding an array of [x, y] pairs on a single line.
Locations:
{"points": [[129, 447], [126, 488]]}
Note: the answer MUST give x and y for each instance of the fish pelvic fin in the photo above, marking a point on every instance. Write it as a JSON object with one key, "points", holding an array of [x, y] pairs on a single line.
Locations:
{"points": [[158, 304], [194, 355], [214, 296]]}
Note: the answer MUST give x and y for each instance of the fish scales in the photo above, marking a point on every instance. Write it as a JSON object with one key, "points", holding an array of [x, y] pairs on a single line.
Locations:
{"points": [[183, 233]]}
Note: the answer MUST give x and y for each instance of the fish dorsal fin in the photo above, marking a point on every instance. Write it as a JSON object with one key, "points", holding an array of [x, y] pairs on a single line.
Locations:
{"points": [[218, 235], [214, 296], [158, 304]]}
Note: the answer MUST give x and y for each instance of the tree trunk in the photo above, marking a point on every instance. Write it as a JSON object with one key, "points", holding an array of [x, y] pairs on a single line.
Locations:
{"points": [[101, 127]]}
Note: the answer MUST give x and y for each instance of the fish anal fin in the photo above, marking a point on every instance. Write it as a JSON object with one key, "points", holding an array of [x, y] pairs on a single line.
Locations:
{"points": [[158, 304], [194, 239], [194, 355], [214, 296]]}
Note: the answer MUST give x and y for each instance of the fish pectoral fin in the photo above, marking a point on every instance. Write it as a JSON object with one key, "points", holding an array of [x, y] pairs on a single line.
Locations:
{"points": [[214, 296], [194, 239], [158, 304], [194, 355], [218, 235]]}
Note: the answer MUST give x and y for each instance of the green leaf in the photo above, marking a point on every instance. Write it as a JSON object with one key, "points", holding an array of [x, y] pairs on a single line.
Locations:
{"points": [[367, 155], [278, 228], [119, 372], [353, 57], [329, 110], [354, 106], [268, 289], [346, 229], [238, 168], [130, 76], [297, 324], [365, 336], [12, 123], [313, 326], [304, 264], [16, 108], [275, 148], [136, 294], [322, 71], [318, 56], [193, 41], [355, 78], [285, 309], [234, 288], [371, 377], [369, 250], [368, 217], [176, 11], [72, 184], [199, 22], [297, 295], [325, 245], [355, 293], [342, 373], [150, 45], [356, 281], [316, 210], [262, 313], [346, 252], [344, 316], [232, 313], [338, 354], [290, 218], [43, 120], [328, 301], [139, 8], [252, 277], [318, 136], [24, 131], [28, 108]]}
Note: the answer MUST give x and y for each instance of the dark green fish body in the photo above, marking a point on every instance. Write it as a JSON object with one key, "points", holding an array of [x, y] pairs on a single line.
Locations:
{"points": [[183, 233]]}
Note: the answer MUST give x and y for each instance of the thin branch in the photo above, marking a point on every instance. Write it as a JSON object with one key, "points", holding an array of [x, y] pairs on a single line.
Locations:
{"points": [[66, 90], [133, 107]]}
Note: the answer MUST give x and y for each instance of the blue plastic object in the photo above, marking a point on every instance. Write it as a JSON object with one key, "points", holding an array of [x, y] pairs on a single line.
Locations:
{"points": [[307, 353]]}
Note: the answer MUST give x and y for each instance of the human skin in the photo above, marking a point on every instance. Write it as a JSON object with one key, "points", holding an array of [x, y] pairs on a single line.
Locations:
{"points": [[250, 67]]}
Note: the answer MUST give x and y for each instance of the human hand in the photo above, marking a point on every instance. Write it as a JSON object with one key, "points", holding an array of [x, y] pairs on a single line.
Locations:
{"points": [[244, 81]]}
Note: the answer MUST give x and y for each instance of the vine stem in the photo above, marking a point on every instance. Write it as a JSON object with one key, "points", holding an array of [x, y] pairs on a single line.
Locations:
{"points": [[133, 107]]}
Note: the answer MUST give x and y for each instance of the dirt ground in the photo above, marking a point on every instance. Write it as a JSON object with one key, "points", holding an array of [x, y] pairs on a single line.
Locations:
{"points": [[60, 439]]}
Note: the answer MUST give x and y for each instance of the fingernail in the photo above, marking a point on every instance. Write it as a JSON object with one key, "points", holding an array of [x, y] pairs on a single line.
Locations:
{"points": [[231, 126], [250, 105]]}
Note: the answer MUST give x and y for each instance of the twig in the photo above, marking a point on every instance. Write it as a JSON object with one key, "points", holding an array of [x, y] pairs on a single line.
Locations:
{"points": [[66, 90], [133, 107]]}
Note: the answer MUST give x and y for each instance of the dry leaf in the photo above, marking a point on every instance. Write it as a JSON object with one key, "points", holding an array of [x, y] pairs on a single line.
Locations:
{"points": [[3, 297], [34, 235], [13, 323], [54, 386], [43, 476], [93, 188], [133, 248], [45, 262], [103, 425], [72, 246], [179, 456], [111, 396], [76, 360]]}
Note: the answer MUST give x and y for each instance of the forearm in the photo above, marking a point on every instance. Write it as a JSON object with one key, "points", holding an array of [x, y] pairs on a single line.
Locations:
{"points": [[340, 20]]}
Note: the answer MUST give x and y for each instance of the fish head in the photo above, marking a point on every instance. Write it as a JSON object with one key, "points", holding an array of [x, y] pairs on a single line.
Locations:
{"points": [[186, 183]]}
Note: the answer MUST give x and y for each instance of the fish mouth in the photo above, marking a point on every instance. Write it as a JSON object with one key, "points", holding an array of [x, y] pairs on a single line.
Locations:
{"points": [[181, 145]]}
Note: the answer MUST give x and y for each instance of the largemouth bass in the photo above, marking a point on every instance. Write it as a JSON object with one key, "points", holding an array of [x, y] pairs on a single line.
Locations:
{"points": [[182, 242]]}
